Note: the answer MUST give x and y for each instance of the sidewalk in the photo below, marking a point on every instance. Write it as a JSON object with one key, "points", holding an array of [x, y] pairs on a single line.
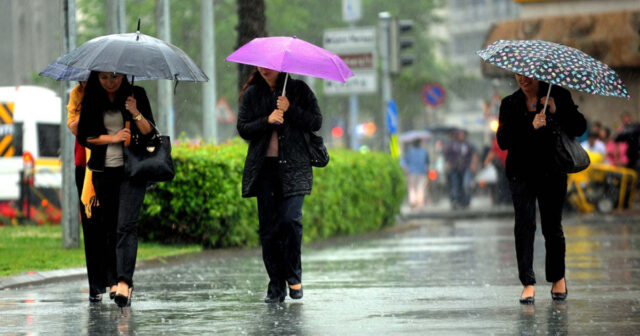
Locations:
{"points": [[480, 207]]}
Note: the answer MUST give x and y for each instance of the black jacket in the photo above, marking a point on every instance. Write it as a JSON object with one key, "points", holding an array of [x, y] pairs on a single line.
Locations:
{"points": [[91, 125], [531, 151], [303, 115]]}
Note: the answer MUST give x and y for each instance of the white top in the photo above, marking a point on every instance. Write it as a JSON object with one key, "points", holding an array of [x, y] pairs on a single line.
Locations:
{"points": [[113, 122], [598, 147]]}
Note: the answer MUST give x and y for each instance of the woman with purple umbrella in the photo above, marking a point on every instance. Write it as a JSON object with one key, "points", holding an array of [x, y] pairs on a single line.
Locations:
{"points": [[278, 171], [527, 133]]}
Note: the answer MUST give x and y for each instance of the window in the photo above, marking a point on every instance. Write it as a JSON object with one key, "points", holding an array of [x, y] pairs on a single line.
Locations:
{"points": [[49, 139]]}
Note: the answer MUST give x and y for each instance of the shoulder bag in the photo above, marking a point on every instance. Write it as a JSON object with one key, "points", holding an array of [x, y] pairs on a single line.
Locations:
{"points": [[569, 154], [150, 161], [318, 154]]}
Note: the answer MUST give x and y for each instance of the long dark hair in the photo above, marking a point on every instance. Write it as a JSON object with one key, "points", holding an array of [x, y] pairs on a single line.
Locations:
{"points": [[256, 79], [95, 96]]}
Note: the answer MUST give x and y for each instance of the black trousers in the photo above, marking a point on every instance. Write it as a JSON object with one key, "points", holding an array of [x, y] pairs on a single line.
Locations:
{"points": [[280, 230], [120, 203], [94, 243], [550, 190]]}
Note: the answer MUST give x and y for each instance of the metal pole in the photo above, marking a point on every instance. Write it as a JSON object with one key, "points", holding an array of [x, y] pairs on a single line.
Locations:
{"points": [[122, 17], [353, 113], [165, 93], [70, 220], [384, 19], [209, 115], [111, 7]]}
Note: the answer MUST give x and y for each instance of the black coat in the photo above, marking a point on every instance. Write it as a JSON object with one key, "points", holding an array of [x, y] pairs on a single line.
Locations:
{"points": [[91, 125], [303, 115], [531, 151]]}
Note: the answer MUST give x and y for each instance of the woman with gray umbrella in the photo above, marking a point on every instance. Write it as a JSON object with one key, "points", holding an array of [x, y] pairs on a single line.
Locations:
{"points": [[527, 133], [109, 104]]}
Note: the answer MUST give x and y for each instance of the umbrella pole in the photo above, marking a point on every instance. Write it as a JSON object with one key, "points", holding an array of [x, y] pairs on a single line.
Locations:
{"points": [[284, 87], [547, 100]]}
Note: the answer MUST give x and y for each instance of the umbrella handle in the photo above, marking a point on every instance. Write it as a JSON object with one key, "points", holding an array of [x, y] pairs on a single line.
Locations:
{"points": [[133, 79], [284, 90], [547, 100]]}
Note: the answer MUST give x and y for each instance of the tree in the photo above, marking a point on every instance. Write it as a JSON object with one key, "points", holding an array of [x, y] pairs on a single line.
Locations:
{"points": [[251, 24]]}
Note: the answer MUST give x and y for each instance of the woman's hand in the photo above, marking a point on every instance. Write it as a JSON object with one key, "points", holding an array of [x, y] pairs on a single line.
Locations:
{"points": [[131, 106], [121, 136], [73, 126], [276, 117], [551, 106], [539, 120], [283, 103]]}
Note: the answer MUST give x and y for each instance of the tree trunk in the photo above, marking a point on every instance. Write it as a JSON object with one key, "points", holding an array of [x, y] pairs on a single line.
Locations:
{"points": [[251, 24]]}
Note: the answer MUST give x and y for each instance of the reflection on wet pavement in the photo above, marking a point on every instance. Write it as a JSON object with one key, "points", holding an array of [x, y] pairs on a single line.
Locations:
{"points": [[440, 278]]}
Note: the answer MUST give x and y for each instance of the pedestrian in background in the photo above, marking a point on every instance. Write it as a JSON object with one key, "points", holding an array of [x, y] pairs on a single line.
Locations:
{"points": [[278, 171], [629, 132], [616, 151], [498, 158], [109, 102], [526, 132], [94, 240], [461, 161], [416, 161]]}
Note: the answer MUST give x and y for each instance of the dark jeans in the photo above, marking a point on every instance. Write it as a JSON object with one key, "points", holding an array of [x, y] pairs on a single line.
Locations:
{"points": [[120, 203], [94, 243], [280, 230], [457, 191], [550, 190]]}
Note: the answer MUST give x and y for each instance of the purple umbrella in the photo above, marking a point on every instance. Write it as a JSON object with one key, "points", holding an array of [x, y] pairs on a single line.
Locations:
{"points": [[292, 55]]}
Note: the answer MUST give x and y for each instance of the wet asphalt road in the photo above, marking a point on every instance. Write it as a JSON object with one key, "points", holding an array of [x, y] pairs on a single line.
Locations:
{"points": [[428, 278]]}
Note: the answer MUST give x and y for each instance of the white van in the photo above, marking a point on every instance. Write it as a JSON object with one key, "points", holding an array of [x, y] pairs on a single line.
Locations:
{"points": [[29, 122]]}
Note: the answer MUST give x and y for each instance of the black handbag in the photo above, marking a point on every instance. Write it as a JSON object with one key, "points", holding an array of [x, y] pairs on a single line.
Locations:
{"points": [[569, 154], [150, 161], [318, 154]]}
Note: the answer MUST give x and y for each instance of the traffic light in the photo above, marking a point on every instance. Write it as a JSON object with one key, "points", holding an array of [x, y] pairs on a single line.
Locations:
{"points": [[397, 44]]}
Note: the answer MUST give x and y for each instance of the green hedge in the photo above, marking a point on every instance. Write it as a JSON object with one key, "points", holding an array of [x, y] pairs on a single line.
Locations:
{"points": [[355, 193]]}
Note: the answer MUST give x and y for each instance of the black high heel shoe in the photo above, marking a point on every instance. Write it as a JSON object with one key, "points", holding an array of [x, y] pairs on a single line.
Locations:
{"points": [[123, 301], [560, 296], [529, 300], [95, 298], [112, 295], [295, 294]]}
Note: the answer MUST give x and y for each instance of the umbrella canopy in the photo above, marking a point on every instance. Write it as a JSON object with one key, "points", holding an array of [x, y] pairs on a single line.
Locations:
{"points": [[138, 55], [292, 55], [413, 135], [556, 64], [63, 72]]}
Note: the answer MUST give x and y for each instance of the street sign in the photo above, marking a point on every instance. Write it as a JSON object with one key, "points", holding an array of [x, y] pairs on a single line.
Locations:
{"points": [[392, 117], [351, 10], [349, 39], [433, 94], [363, 81], [357, 48]]}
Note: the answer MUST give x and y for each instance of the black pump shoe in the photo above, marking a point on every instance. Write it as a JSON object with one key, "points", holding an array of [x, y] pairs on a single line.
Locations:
{"points": [[112, 295], [274, 298], [123, 301], [529, 300], [295, 294], [560, 296], [95, 298]]}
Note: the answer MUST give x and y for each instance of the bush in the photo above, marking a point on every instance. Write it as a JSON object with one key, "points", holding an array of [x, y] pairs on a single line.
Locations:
{"points": [[355, 193]]}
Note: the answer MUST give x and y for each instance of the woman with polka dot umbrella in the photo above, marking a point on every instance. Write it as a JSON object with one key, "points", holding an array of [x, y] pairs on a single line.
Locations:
{"points": [[531, 133], [556, 64]]}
